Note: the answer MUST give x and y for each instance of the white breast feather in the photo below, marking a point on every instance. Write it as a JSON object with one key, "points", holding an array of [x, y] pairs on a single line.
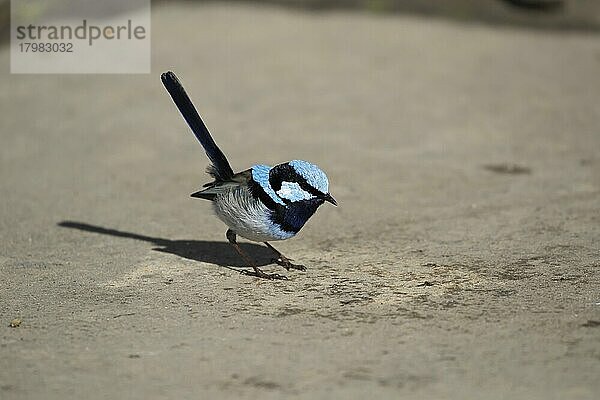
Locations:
{"points": [[247, 216]]}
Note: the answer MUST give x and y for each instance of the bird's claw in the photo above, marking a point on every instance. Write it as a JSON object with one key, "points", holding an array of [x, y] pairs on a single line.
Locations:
{"points": [[287, 264], [260, 274]]}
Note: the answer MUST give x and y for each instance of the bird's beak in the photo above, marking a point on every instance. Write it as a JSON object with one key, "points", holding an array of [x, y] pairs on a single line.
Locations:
{"points": [[330, 199]]}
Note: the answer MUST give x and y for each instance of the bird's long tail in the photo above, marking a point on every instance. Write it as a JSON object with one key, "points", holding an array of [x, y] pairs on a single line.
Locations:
{"points": [[220, 168]]}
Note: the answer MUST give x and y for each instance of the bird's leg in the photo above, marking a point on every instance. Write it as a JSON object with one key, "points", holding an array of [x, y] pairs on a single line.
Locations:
{"points": [[257, 272], [284, 261]]}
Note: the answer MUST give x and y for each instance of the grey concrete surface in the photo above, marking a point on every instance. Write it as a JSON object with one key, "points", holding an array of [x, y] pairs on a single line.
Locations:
{"points": [[463, 261]]}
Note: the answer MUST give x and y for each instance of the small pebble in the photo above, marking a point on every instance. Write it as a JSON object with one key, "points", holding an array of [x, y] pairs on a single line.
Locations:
{"points": [[15, 323]]}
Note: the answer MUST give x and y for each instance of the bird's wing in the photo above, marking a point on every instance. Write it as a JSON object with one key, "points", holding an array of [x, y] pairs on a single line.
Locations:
{"points": [[214, 188], [220, 167]]}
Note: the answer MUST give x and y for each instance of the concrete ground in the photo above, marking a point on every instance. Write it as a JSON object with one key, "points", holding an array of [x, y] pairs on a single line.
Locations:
{"points": [[462, 262]]}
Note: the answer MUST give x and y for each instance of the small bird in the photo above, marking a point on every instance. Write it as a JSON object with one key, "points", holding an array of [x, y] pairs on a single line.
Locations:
{"points": [[262, 203]]}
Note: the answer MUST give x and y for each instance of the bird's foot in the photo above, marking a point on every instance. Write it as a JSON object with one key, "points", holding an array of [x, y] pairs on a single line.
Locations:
{"points": [[287, 263], [259, 274]]}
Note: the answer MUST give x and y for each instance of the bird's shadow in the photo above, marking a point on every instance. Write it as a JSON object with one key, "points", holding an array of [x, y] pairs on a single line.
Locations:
{"points": [[218, 253]]}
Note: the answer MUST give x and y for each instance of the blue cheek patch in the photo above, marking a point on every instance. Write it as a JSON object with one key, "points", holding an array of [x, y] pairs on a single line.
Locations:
{"points": [[313, 175], [293, 192], [260, 174]]}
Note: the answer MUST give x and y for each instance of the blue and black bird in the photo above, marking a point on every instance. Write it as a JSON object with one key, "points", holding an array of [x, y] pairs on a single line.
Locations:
{"points": [[262, 203]]}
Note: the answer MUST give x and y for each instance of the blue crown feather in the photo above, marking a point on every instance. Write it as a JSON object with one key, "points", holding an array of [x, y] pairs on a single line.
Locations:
{"points": [[313, 174]]}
